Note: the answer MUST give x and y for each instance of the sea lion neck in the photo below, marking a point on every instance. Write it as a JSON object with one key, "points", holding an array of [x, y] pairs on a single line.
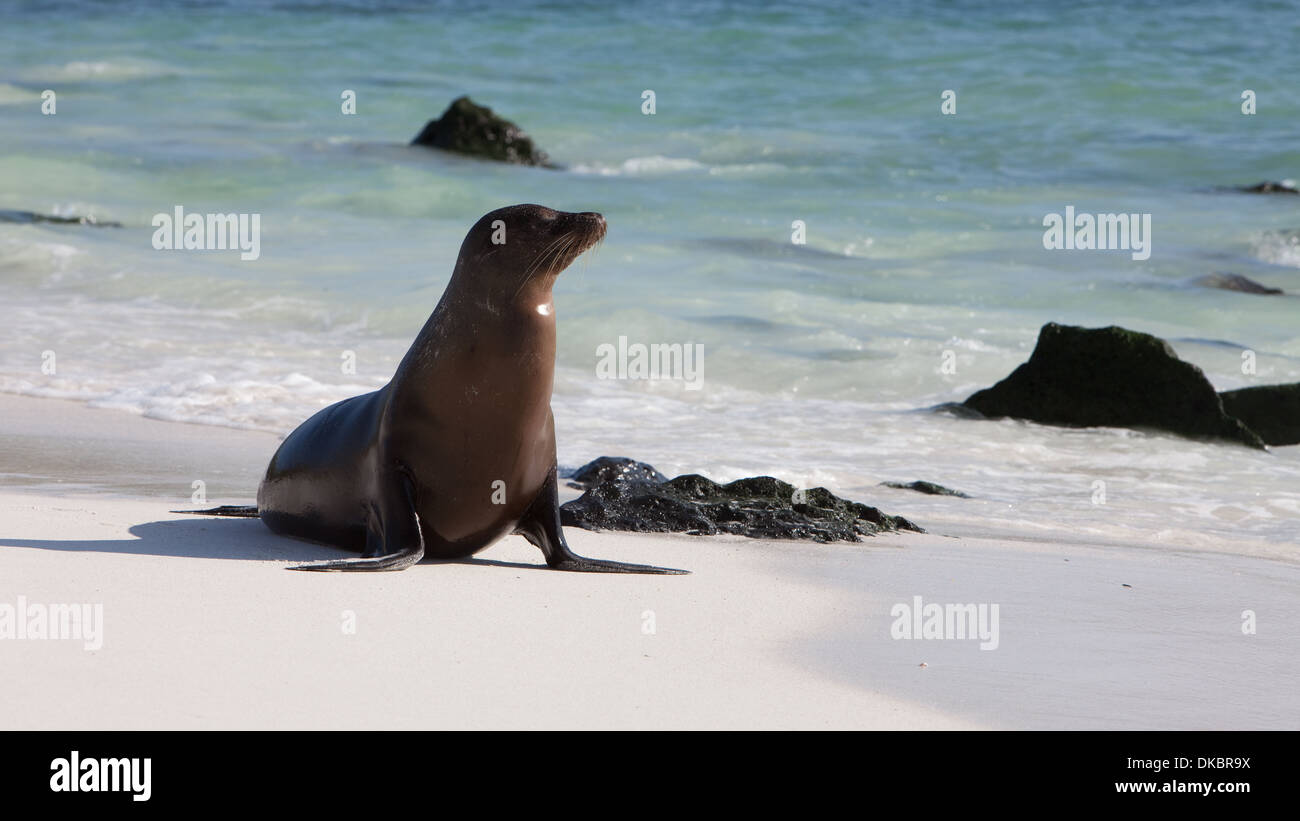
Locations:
{"points": [[522, 294], [535, 298]]}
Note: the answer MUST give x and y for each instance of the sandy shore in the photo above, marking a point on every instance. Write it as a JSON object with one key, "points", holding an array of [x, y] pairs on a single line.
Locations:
{"points": [[202, 628]]}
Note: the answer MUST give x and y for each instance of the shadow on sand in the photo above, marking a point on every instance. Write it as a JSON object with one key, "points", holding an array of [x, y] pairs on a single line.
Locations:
{"points": [[246, 539]]}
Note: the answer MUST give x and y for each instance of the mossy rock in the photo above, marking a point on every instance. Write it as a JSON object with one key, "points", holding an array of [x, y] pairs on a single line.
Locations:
{"points": [[1112, 377], [469, 128], [1272, 411]]}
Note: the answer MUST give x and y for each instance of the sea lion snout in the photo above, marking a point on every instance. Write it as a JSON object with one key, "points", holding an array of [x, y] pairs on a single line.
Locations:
{"points": [[520, 243], [574, 233], [593, 223]]}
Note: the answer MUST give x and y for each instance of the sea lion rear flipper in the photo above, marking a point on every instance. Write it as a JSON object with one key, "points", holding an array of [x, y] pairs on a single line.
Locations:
{"points": [[393, 537], [244, 511], [541, 526]]}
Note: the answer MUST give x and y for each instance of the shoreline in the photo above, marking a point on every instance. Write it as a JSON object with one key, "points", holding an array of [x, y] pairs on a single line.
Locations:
{"points": [[66, 446], [63, 445], [202, 628]]}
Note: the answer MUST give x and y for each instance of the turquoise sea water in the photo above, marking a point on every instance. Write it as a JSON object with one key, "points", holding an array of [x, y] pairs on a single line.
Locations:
{"points": [[924, 231]]}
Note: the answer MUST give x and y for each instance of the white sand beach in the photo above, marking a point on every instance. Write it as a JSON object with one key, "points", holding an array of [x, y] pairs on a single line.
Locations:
{"points": [[203, 628]]}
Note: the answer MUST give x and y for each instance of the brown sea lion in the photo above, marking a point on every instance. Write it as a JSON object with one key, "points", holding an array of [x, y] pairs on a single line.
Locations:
{"points": [[458, 450]]}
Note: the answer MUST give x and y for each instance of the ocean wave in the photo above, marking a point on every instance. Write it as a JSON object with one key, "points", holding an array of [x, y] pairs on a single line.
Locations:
{"points": [[11, 95], [638, 166], [79, 71], [23, 260], [1278, 247], [747, 169], [275, 406]]}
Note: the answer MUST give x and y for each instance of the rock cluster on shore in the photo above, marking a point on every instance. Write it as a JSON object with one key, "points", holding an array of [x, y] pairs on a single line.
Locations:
{"points": [[625, 495], [614, 469]]}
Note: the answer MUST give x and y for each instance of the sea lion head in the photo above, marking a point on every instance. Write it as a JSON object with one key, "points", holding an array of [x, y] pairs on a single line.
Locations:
{"points": [[525, 245]]}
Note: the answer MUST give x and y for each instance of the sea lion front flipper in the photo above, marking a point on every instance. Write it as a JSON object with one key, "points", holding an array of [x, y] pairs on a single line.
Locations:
{"points": [[541, 526], [393, 537]]}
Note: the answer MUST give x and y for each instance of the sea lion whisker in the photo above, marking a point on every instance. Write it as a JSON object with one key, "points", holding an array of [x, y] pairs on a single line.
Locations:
{"points": [[596, 246], [537, 261], [547, 253], [532, 266], [533, 263], [552, 264], [562, 253], [565, 255]]}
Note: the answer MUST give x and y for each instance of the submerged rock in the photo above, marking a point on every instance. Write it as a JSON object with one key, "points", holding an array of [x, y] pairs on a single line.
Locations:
{"points": [[614, 469], [1268, 187], [30, 217], [1111, 377], [1272, 411], [469, 128], [922, 486], [760, 507], [956, 409], [1235, 282]]}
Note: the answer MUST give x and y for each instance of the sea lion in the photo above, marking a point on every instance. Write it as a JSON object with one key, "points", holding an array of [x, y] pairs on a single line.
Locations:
{"points": [[458, 450]]}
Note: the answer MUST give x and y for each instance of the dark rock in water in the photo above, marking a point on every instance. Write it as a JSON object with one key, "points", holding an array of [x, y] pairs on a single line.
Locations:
{"points": [[1111, 377], [469, 128], [614, 469], [27, 217], [1272, 411], [1268, 188], [921, 486], [1235, 282], [760, 507], [956, 409]]}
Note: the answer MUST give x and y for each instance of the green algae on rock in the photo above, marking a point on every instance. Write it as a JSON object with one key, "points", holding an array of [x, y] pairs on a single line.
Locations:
{"points": [[469, 128]]}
